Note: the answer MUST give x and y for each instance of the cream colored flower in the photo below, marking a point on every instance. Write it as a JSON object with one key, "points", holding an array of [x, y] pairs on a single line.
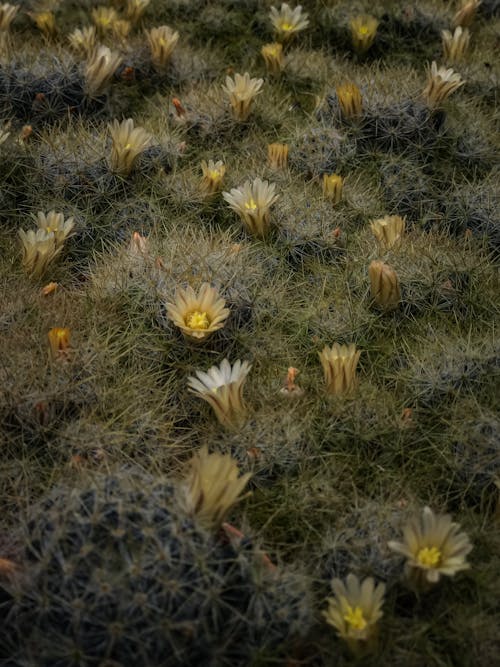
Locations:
{"points": [[455, 45], [333, 186], [45, 22], [121, 29], [273, 57], [441, 84], [277, 156], [350, 100], [7, 15], [222, 387], [465, 15], [128, 143], [356, 609], [213, 175], [433, 546], [242, 91], [135, 9], [162, 41], [55, 223], [384, 285], [39, 250], [339, 364], [198, 315], [252, 202], [101, 66], [103, 18], [288, 22], [213, 486], [388, 230], [83, 40], [363, 32]]}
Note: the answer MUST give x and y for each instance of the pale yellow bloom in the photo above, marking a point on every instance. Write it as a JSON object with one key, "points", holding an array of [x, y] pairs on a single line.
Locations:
{"points": [[350, 100], [277, 156], [242, 90], [103, 18], [162, 41], [288, 22], [339, 364], [39, 250], [433, 546], [7, 14], [213, 486], [45, 22], [252, 201], [55, 223], [213, 175], [363, 32], [384, 285], [356, 609], [135, 9], [101, 66], [83, 40], [333, 185], [198, 315], [121, 29], [128, 143], [455, 45], [273, 57], [59, 342], [388, 230], [441, 84], [465, 15], [222, 387]]}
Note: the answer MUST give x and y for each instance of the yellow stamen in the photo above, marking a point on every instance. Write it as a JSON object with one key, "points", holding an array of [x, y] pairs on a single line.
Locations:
{"points": [[286, 26], [429, 557], [355, 618], [197, 320], [250, 204]]}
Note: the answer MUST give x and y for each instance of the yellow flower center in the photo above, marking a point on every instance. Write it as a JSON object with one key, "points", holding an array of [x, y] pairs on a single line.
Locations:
{"points": [[429, 557], [355, 618], [287, 27], [363, 30], [127, 147], [197, 320], [250, 204], [214, 175]]}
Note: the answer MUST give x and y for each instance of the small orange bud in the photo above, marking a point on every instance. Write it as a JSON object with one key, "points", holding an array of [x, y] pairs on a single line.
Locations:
{"points": [[50, 288], [26, 132], [7, 567], [181, 111]]}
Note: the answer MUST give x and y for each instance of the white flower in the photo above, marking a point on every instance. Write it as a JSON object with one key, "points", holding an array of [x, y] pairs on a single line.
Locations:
{"points": [[128, 143], [99, 69], [252, 201], [162, 41], [287, 21], [441, 84], [242, 90], [198, 315], [55, 223]]}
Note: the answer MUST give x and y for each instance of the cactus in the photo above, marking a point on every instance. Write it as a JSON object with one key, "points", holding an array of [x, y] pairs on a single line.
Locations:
{"points": [[118, 571], [320, 150]]}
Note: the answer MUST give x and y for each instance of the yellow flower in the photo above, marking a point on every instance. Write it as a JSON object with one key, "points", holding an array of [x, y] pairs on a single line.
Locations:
{"points": [[333, 186], [242, 90], [162, 41], [135, 9], [213, 175], [83, 41], [100, 67], [121, 29], [128, 143], [441, 84], [55, 223], [465, 15], [39, 250], [45, 22], [222, 387], [388, 230], [277, 156], [433, 546], [288, 22], [252, 202], [339, 364], [198, 315], [7, 15], [213, 486], [455, 45], [59, 342], [363, 32], [356, 609], [384, 285], [350, 100], [104, 18], [273, 57]]}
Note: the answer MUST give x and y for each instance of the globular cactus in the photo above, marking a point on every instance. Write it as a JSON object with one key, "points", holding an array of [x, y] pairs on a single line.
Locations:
{"points": [[118, 572], [320, 150], [409, 191]]}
